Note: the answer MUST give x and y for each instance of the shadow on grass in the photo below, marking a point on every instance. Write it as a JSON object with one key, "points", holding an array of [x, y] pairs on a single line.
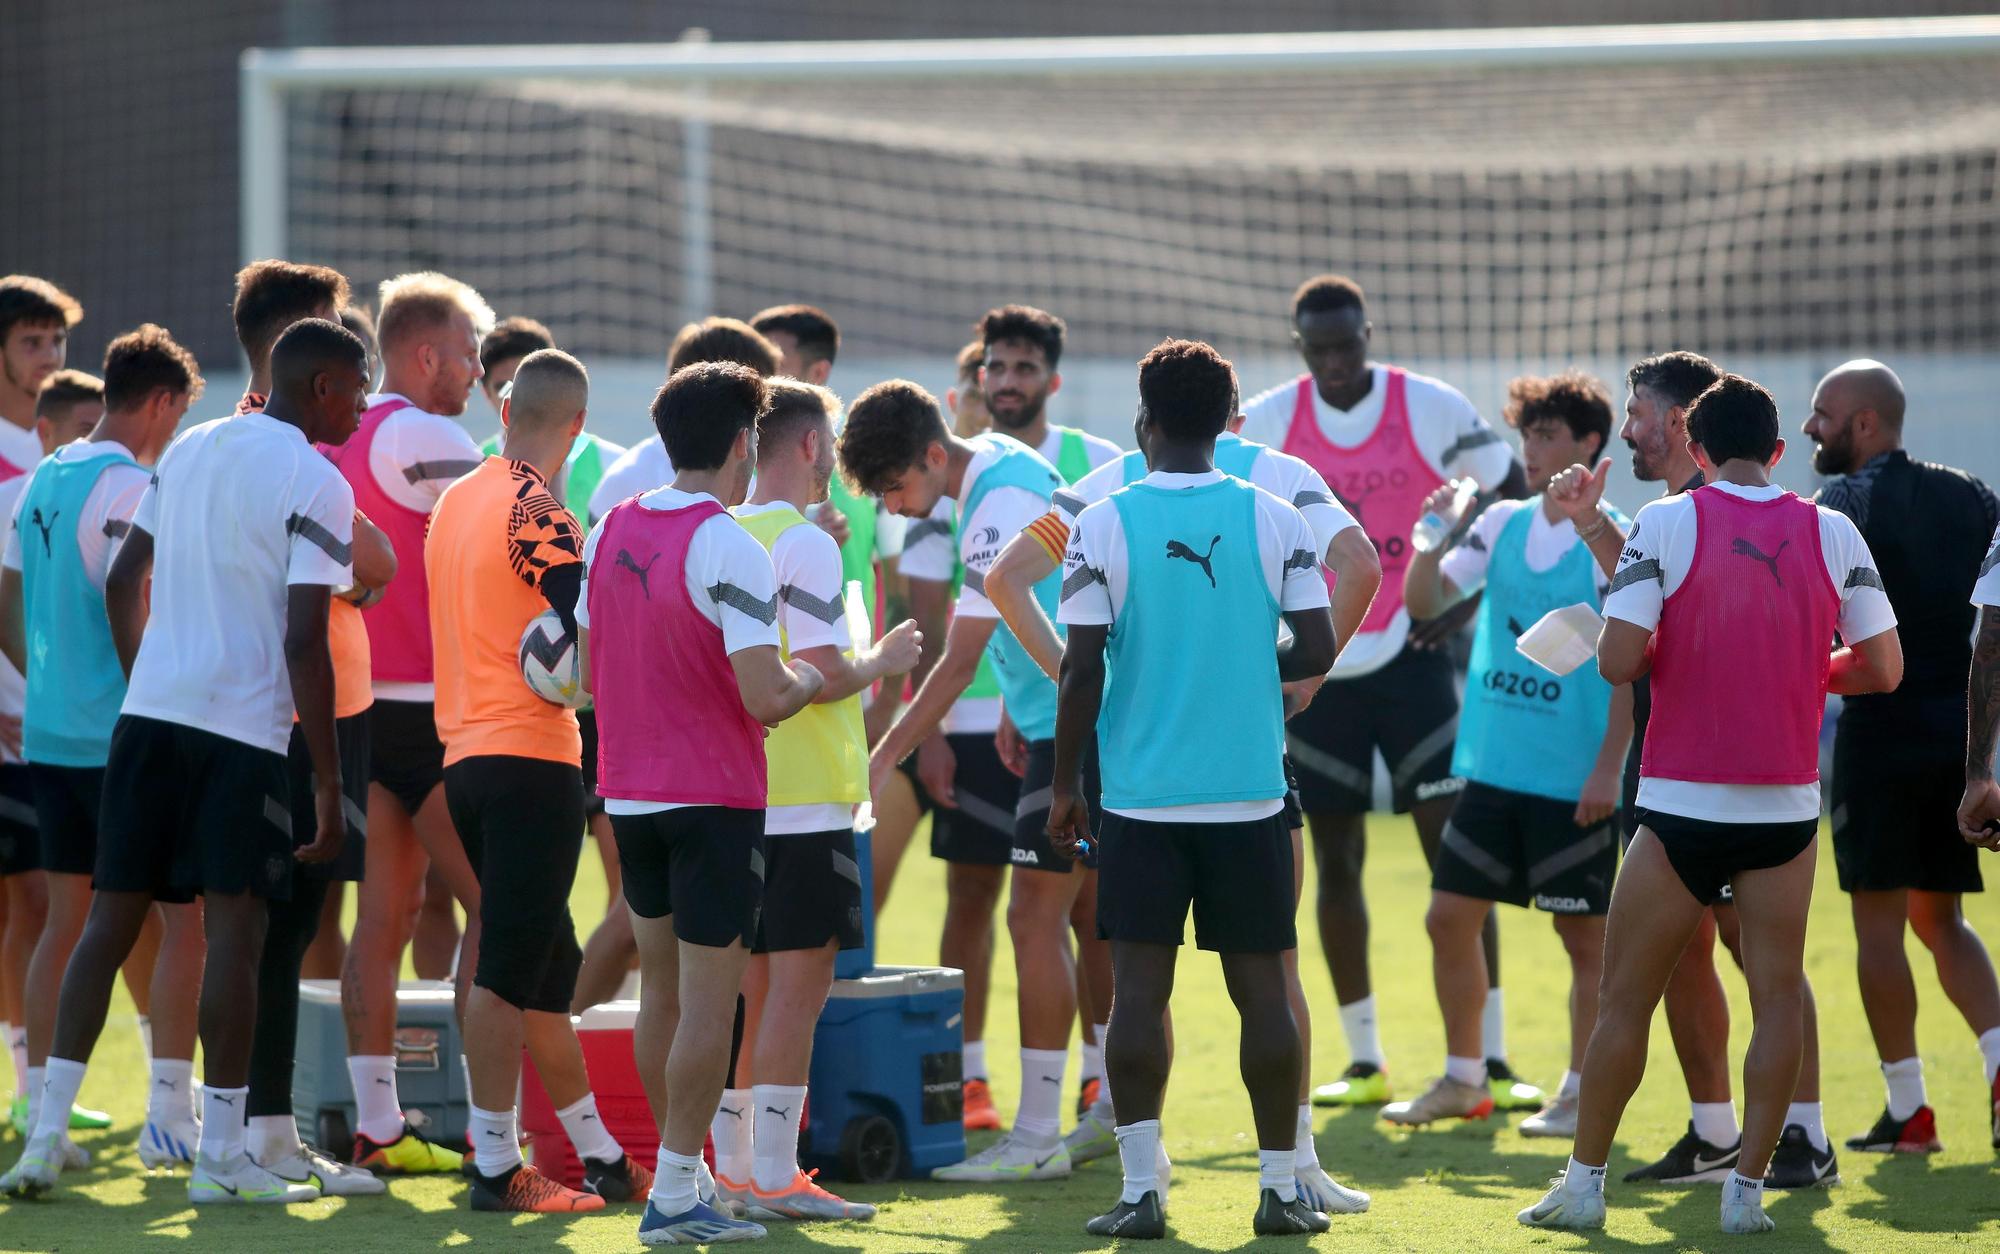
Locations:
{"points": [[1915, 1196]]}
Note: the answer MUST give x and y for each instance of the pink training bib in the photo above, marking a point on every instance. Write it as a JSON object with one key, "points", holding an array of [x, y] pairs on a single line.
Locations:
{"points": [[399, 625], [1382, 481]]}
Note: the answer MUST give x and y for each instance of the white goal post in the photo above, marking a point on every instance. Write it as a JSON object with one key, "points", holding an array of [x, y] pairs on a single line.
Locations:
{"points": [[269, 77]]}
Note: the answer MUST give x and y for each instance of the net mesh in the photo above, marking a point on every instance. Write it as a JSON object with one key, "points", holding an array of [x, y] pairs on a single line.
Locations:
{"points": [[1528, 212]]}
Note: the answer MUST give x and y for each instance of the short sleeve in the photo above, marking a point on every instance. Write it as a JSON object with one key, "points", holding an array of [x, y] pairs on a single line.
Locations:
{"points": [[927, 545], [417, 455], [812, 605], [1300, 585], [146, 517], [1865, 611], [1086, 589], [321, 528], [744, 590], [1987, 590], [1003, 514], [1465, 565], [541, 536], [589, 559], [11, 558], [1638, 586], [1476, 449]]}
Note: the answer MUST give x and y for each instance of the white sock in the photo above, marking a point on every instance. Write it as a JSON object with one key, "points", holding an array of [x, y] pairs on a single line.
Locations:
{"points": [[496, 1148], [1582, 1178], [1307, 1154], [1905, 1082], [1715, 1122], [378, 1108], [732, 1130], [146, 1036], [1739, 1188], [1139, 1153], [776, 1153], [1039, 1120], [1466, 1070], [222, 1125], [975, 1060], [1572, 1084], [1364, 1038], [1276, 1169], [1807, 1115], [465, 1073], [1493, 1025], [62, 1080], [1989, 1050], [272, 1137], [587, 1131], [1092, 1067], [170, 1095], [675, 1182], [33, 1088]]}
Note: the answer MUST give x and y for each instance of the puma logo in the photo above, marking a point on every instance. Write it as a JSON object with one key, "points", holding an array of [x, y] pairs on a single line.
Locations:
{"points": [[1744, 548], [226, 1101], [782, 1114], [587, 1117], [627, 562], [44, 527], [1176, 549], [1049, 1079], [385, 1080], [1514, 625], [737, 1113], [169, 1085], [491, 1132]]}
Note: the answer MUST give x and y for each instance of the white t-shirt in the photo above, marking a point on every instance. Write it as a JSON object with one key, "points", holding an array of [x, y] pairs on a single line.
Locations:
{"points": [[641, 468], [729, 579], [812, 610], [1449, 434], [1658, 553], [1286, 477], [1987, 590], [927, 545], [240, 510], [1548, 543], [13, 684], [1097, 544], [1098, 449], [20, 445]]}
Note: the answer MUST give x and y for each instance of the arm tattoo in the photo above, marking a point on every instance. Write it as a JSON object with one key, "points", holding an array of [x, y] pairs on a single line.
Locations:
{"points": [[1983, 698]]}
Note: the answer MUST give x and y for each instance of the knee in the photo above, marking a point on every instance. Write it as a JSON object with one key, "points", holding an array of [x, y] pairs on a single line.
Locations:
{"points": [[1450, 922], [1035, 917], [1582, 939], [1935, 925]]}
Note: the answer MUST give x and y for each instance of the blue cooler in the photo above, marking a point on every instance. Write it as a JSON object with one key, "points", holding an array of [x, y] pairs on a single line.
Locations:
{"points": [[851, 964], [429, 1079], [887, 1096]]}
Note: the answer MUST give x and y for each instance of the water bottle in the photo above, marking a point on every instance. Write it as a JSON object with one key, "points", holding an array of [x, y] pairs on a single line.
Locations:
{"points": [[1434, 528]]}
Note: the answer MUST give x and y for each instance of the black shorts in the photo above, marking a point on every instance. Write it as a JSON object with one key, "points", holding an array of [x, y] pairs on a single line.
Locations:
{"points": [[351, 740], [586, 723], [980, 829], [405, 755], [187, 811], [1707, 855], [1894, 801], [69, 802], [1502, 845], [1237, 877], [704, 865], [812, 892], [521, 820], [1294, 812], [1031, 813], [20, 829], [1407, 710]]}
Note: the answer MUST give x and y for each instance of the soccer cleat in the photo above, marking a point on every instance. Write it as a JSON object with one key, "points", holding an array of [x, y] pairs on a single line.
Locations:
{"points": [[167, 1144], [1362, 1084], [1915, 1135], [626, 1180], [306, 1165], [1327, 1195], [408, 1155], [1087, 1095], [730, 1197], [1008, 1159], [1143, 1220], [70, 1155], [525, 1189], [1691, 1161], [702, 1225], [1446, 1098], [1744, 1217], [1511, 1092], [1560, 1208], [80, 1119], [1799, 1164], [1092, 1138], [980, 1114], [35, 1172], [1557, 1119], [803, 1199], [1283, 1219], [241, 1180]]}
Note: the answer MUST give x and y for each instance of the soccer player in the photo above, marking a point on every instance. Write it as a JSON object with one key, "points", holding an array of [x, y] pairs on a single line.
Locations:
{"points": [[270, 296], [1542, 757], [1896, 756], [1190, 563], [817, 764], [35, 321], [500, 551], [646, 465], [672, 564], [67, 524], [68, 409], [1729, 781], [896, 447], [408, 450], [1343, 549], [246, 532], [1384, 439]]}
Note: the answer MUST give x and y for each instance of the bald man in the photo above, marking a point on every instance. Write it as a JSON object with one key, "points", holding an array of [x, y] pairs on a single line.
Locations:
{"points": [[1897, 756]]}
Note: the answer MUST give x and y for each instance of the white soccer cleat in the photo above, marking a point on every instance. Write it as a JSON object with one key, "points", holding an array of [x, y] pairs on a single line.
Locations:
{"points": [[73, 1156], [1564, 1209], [1165, 1174], [1557, 1119], [1327, 1195], [241, 1180], [1008, 1160], [306, 1165], [165, 1144], [1093, 1137], [35, 1172]]}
